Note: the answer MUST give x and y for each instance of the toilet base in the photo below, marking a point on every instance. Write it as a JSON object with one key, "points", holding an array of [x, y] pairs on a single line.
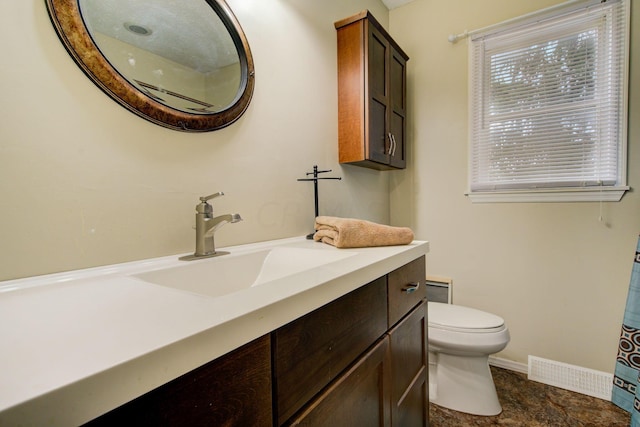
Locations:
{"points": [[463, 383]]}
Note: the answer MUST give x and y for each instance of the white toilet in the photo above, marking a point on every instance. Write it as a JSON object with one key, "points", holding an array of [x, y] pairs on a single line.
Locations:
{"points": [[460, 342]]}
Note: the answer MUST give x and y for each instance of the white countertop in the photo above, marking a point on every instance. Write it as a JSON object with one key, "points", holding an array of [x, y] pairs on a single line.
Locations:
{"points": [[78, 344]]}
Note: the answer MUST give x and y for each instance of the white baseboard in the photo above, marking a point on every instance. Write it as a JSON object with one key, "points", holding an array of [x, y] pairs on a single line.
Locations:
{"points": [[508, 364]]}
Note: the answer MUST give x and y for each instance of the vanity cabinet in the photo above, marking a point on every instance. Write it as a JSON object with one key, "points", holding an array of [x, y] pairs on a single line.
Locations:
{"points": [[372, 107], [384, 385], [360, 360]]}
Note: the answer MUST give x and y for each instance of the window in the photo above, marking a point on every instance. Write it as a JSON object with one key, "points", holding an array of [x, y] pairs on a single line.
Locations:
{"points": [[548, 106]]}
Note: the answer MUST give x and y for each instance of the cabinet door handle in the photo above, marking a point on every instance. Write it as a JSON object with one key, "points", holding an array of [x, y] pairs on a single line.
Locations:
{"points": [[394, 144], [411, 287], [390, 144]]}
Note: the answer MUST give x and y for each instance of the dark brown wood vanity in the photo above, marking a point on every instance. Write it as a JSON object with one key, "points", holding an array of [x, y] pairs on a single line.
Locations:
{"points": [[360, 360]]}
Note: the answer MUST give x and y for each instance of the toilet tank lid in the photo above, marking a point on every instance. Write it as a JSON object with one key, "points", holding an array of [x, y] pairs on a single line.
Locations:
{"points": [[457, 316]]}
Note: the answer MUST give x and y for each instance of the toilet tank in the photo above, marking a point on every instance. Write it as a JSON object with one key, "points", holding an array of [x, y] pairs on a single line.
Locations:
{"points": [[439, 289]]}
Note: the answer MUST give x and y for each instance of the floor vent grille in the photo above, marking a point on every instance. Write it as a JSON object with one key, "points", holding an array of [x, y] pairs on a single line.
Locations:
{"points": [[570, 377]]}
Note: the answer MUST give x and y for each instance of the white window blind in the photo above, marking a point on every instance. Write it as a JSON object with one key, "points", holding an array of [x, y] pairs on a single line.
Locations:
{"points": [[548, 102]]}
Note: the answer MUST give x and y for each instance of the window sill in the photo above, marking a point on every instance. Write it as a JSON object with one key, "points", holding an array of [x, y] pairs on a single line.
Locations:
{"points": [[606, 194]]}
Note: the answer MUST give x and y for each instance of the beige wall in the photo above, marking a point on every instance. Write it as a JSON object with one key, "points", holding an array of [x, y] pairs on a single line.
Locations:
{"points": [[84, 182], [555, 273]]}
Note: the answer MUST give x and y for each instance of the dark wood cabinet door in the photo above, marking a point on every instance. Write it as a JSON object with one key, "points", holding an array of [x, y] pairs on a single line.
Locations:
{"points": [[397, 108], [313, 350], [379, 143], [409, 370], [358, 398], [233, 390]]}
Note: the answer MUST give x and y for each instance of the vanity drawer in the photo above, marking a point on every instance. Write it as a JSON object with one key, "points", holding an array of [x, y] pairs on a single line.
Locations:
{"points": [[313, 350], [406, 289]]}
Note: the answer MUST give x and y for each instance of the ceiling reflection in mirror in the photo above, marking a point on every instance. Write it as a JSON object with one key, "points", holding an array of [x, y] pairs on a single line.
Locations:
{"points": [[177, 52]]}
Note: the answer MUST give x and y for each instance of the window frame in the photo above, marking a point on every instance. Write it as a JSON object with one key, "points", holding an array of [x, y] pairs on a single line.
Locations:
{"points": [[556, 193]]}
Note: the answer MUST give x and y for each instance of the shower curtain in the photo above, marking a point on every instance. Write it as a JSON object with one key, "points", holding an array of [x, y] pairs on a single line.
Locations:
{"points": [[626, 381]]}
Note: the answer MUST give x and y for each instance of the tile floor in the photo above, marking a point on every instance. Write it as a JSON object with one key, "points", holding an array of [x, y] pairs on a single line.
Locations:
{"points": [[529, 403]]}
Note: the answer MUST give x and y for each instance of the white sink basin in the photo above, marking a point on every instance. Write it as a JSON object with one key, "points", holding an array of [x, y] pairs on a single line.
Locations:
{"points": [[234, 272]]}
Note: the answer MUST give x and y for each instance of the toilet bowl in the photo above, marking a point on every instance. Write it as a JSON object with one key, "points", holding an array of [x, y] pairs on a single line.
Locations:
{"points": [[460, 342]]}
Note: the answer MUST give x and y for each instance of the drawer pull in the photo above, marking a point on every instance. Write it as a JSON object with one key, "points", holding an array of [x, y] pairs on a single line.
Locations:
{"points": [[411, 287]]}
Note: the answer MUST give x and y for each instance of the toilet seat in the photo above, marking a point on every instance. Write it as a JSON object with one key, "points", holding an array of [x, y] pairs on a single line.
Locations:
{"points": [[463, 319]]}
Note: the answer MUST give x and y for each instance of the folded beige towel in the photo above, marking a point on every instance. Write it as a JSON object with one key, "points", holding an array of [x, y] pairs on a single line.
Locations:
{"points": [[358, 233]]}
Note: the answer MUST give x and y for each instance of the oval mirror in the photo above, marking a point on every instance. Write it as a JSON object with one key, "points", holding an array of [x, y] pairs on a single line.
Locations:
{"points": [[183, 64]]}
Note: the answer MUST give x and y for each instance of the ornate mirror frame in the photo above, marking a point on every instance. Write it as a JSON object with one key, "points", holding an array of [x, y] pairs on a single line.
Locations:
{"points": [[67, 20]]}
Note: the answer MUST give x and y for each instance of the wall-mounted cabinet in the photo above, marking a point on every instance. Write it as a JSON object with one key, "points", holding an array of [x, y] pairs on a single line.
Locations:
{"points": [[372, 107]]}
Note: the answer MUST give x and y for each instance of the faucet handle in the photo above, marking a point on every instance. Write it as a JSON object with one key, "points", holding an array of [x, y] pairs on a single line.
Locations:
{"points": [[204, 199], [205, 208]]}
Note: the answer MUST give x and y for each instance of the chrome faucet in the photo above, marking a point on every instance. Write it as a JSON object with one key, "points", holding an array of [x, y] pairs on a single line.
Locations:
{"points": [[206, 226]]}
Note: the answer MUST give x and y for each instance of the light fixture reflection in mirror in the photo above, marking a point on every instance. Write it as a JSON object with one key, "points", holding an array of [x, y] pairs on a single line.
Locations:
{"points": [[182, 64]]}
